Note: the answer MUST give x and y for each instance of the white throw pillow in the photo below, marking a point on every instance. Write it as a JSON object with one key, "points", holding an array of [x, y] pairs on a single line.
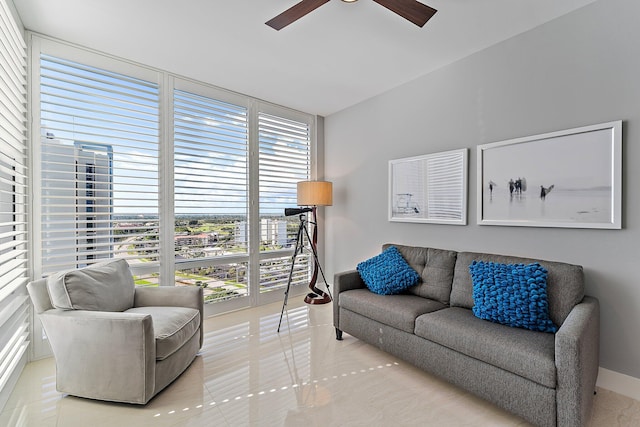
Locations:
{"points": [[105, 286]]}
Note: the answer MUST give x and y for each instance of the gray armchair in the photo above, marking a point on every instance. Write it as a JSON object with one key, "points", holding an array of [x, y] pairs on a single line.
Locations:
{"points": [[112, 340]]}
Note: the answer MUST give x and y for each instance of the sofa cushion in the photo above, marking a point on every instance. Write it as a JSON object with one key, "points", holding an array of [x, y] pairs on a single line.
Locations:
{"points": [[387, 273], [104, 286], [435, 267], [398, 311], [526, 353], [565, 282], [511, 294], [172, 327]]}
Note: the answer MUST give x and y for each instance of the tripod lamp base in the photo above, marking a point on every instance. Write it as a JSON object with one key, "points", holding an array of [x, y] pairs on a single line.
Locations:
{"points": [[316, 299]]}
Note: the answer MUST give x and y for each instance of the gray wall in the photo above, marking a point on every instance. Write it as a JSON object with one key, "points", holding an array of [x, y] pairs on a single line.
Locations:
{"points": [[580, 69]]}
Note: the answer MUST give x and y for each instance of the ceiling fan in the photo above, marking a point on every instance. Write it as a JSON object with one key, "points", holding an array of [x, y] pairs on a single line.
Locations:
{"points": [[411, 10]]}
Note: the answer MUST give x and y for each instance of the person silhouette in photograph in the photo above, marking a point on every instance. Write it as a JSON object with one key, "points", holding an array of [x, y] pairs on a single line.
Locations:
{"points": [[544, 191]]}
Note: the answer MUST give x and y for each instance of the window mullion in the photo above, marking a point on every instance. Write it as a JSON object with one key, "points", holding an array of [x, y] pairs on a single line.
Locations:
{"points": [[167, 183], [254, 205]]}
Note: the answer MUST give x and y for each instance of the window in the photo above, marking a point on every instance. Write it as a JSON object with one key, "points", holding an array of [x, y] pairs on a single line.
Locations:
{"points": [[216, 226], [184, 180], [285, 159], [99, 166], [211, 165], [14, 306]]}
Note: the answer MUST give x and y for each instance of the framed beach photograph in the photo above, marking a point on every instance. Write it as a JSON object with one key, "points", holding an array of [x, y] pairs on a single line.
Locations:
{"points": [[429, 189], [570, 178]]}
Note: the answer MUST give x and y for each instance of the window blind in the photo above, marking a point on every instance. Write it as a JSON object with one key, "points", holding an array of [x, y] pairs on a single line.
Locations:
{"points": [[229, 165], [284, 159], [14, 308], [99, 161], [211, 176], [211, 198]]}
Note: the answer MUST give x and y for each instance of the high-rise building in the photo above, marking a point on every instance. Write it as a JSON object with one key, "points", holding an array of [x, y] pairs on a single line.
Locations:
{"points": [[77, 203], [273, 231]]}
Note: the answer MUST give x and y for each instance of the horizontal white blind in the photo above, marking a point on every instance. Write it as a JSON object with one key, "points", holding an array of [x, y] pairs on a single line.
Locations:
{"points": [[14, 312], [285, 159], [274, 272], [210, 175], [211, 146], [99, 161], [445, 187]]}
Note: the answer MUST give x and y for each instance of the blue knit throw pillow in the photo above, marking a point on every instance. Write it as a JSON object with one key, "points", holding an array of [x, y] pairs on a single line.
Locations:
{"points": [[511, 294], [387, 273]]}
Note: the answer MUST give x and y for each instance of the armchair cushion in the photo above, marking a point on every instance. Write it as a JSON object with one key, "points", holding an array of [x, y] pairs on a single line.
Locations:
{"points": [[105, 286], [172, 326]]}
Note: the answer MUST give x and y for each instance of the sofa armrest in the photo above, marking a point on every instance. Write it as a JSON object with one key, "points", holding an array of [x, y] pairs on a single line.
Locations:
{"points": [[577, 349], [103, 355], [347, 280], [172, 296], [344, 281]]}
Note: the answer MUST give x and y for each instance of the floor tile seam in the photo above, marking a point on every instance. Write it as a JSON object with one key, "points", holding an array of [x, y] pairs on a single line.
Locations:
{"points": [[266, 391], [163, 413], [272, 336]]}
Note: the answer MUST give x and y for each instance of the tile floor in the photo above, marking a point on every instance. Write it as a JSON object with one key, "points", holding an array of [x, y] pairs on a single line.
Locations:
{"points": [[249, 375]]}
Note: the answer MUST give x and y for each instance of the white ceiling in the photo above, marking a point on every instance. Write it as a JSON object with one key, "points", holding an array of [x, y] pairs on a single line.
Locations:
{"points": [[338, 55]]}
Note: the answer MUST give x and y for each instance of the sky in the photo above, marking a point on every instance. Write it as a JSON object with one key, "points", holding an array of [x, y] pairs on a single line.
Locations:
{"points": [[576, 161], [80, 103]]}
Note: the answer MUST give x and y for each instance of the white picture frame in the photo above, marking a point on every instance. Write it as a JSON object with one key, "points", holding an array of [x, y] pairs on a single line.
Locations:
{"points": [[430, 188], [570, 178]]}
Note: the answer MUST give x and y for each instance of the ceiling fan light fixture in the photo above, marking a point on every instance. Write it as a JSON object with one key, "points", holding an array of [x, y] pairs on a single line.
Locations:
{"points": [[411, 10]]}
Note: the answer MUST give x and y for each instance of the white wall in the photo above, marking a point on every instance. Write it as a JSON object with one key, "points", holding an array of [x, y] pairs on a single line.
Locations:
{"points": [[16, 17], [580, 69]]}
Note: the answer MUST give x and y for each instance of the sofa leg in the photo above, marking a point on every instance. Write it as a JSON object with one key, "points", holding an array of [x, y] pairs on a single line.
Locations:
{"points": [[338, 334]]}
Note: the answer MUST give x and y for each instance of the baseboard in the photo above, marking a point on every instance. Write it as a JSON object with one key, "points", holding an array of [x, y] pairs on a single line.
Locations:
{"points": [[619, 383]]}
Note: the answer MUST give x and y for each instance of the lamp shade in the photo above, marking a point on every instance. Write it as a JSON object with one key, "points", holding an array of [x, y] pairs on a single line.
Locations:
{"points": [[315, 193]]}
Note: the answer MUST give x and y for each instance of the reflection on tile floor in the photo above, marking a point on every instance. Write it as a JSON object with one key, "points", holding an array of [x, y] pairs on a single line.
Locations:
{"points": [[249, 375]]}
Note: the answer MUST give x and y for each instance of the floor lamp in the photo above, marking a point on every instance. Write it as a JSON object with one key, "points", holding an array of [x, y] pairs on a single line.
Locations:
{"points": [[313, 194]]}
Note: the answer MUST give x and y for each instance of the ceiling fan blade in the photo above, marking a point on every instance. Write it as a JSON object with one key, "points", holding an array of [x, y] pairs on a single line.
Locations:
{"points": [[411, 10], [294, 13]]}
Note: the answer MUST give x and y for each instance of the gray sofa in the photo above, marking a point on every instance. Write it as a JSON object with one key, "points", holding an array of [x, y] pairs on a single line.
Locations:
{"points": [[547, 379]]}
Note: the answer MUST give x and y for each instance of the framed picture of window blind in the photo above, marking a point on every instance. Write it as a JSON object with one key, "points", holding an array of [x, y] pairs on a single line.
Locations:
{"points": [[431, 188]]}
